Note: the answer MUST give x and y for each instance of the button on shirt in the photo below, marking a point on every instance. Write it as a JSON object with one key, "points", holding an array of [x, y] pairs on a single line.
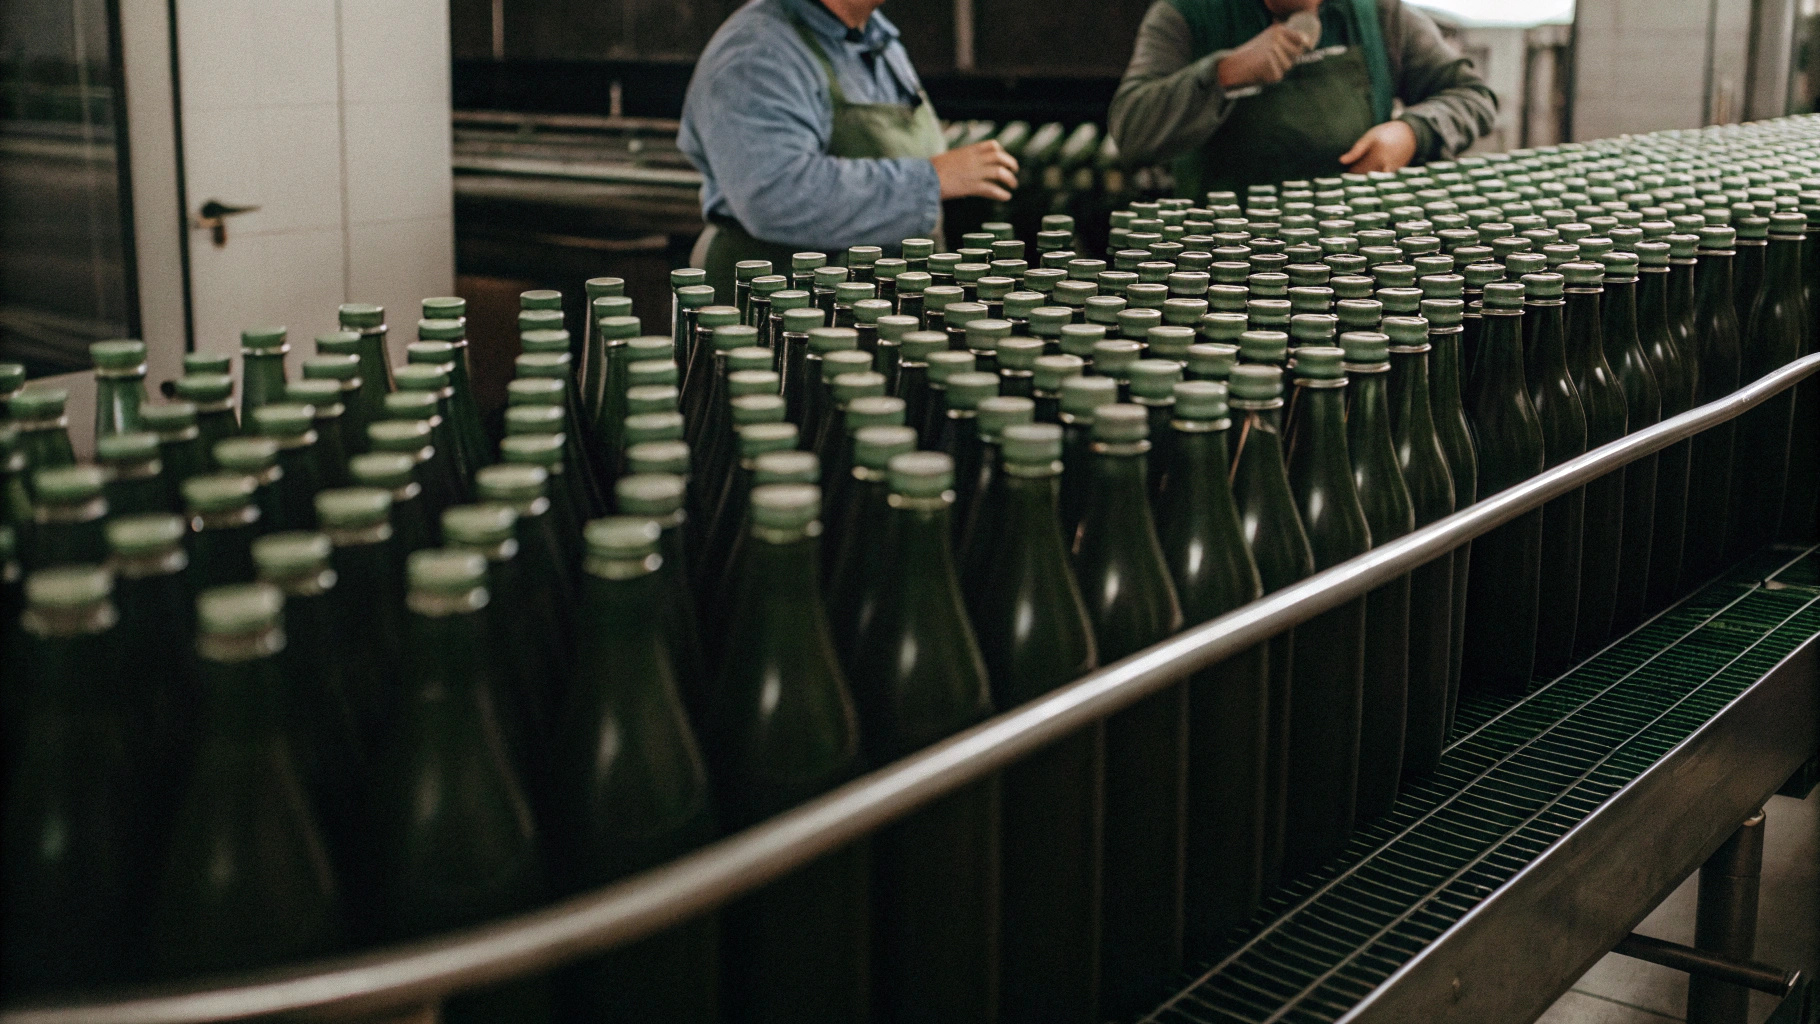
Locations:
{"points": [[757, 120]]}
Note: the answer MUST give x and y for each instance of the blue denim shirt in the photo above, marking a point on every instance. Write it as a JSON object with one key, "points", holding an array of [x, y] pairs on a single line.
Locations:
{"points": [[758, 116]]}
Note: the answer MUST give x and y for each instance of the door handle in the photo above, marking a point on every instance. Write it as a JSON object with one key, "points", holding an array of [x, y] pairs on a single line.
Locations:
{"points": [[214, 215]]}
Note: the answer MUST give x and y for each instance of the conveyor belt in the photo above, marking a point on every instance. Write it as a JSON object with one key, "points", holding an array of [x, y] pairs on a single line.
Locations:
{"points": [[1519, 778]]}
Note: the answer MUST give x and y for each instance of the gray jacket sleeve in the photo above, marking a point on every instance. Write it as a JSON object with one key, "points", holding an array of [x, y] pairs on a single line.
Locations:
{"points": [[1169, 103]]}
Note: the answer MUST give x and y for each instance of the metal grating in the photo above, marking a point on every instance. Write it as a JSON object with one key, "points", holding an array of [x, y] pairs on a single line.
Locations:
{"points": [[1521, 775]]}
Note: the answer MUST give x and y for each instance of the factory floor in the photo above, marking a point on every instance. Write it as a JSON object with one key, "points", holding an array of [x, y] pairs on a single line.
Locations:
{"points": [[1619, 990]]}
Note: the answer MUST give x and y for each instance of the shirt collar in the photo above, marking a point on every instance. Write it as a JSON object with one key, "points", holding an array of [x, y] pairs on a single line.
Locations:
{"points": [[876, 34]]}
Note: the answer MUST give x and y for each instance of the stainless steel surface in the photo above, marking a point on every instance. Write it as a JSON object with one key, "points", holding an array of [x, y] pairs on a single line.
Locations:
{"points": [[1510, 957], [1483, 950], [1673, 955], [1726, 923]]}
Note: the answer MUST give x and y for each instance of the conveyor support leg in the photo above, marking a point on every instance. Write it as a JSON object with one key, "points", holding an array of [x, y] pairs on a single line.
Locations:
{"points": [[1726, 923]]}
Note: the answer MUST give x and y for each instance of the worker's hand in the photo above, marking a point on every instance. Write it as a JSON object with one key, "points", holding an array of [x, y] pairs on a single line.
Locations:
{"points": [[1263, 59], [982, 169], [1385, 147]]}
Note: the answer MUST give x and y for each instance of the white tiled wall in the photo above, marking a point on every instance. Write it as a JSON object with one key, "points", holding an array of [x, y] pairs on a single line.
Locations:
{"points": [[331, 116], [1640, 64]]}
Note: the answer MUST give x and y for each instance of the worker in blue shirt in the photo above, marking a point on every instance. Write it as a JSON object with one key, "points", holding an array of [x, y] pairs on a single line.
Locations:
{"points": [[812, 133]]}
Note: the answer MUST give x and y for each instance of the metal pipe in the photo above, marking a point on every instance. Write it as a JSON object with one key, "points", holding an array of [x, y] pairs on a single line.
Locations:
{"points": [[1704, 964], [372, 983], [1725, 923]]}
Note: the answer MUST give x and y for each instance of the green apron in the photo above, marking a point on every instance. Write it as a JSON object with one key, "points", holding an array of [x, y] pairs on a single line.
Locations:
{"points": [[877, 131], [1296, 128]]}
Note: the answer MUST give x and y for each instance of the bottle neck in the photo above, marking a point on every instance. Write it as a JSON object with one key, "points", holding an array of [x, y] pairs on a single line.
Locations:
{"points": [[1317, 427], [1585, 336], [1497, 369], [1782, 266], [1713, 281], [921, 530]]}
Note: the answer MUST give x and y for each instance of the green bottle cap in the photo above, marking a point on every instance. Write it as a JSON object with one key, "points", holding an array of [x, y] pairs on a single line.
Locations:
{"points": [[142, 535], [808, 262], [1184, 312], [1540, 286], [613, 328], [654, 426], [913, 282], [445, 570], [786, 467], [994, 288], [534, 419], [921, 474], [339, 343], [390, 470], [453, 307], [874, 411], [917, 248], [874, 447], [651, 398], [918, 346], [1200, 400], [554, 340], [324, 396], [1020, 304], [218, 492], [1520, 263], [534, 450], [478, 526], [534, 391], [786, 506], [1263, 346], [441, 330], [238, 608], [1114, 357], [1136, 323], [755, 439], [193, 362], [768, 284], [247, 454], [1224, 327], [1504, 295], [803, 319], [650, 494], [1683, 246], [410, 436], [1048, 321], [984, 335], [1401, 330], [163, 417], [659, 371], [542, 364], [123, 355], [745, 357], [1104, 309], [746, 382], [746, 270], [687, 277], [1716, 237], [1480, 275], [1581, 275], [1210, 359], [947, 362], [68, 587], [694, 296], [1154, 380], [40, 403], [1117, 423], [967, 389], [823, 340], [1442, 286], [624, 538], [1079, 339], [1019, 354], [286, 556], [717, 316], [540, 298], [1443, 312], [846, 387], [958, 315], [511, 482], [844, 361], [868, 311], [1050, 371], [1320, 362], [1787, 223], [262, 338], [1623, 266], [1028, 444], [658, 457], [530, 320], [938, 297], [1363, 348], [894, 327], [1000, 411], [1316, 328], [355, 315], [734, 336], [435, 376], [331, 367], [1082, 395], [285, 419], [1074, 294], [1170, 341], [138, 446]]}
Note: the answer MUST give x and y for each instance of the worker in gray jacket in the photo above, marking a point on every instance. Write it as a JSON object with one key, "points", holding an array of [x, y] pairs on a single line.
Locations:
{"points": [[1236, 94]]}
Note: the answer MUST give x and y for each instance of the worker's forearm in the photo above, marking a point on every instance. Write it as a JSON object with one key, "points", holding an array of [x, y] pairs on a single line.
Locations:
{"points": [[1456, 117], [817, 201], [1153, 119]]}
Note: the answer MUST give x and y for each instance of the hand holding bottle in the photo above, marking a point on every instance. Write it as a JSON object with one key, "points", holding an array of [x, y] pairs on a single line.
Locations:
{"points": [[982, 169], [1384, 147], [1265, 58]]}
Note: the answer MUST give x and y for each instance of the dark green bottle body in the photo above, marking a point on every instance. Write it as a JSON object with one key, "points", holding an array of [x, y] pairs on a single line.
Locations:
{"points": [[1673, 362], [1606, 407], [1563, 418], [1710, 470], [1774, 335], [1446, 395], [1625, 354], [1426, 477]]}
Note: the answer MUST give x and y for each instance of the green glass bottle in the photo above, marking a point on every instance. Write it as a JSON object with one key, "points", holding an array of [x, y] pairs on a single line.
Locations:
{"points": [[1132, 604], [1326, 703], [1034, 635], [455, 835], [635, 793], [434, 379], [698, 377], [247, 880], [613, 336], [15, 496], [317, 709], [416, 438], [69, 516], [213, 396], [395, 472], [978, 533], [914, 351], [920, 678], [329, 420], [1279, 546], [886, 356], [1390, 513], [1046, 383], [135, 474], [437, 346], [300, 463], [223, 522], [119, 385], [719, 440], [730, 508], [530, 402], [1775, 334], [1630, 365], [1605, 405], [157, 634], [1204, 546], [1563, 418], [1151, 383], [44, 437], [546, 451], [1504, 577], [1666, 271], [590, 469], [1801, 503], [1750, 265], [12, 381], [1081, 397], [781, 729], [74, 892], [256, 457], [263, 351], [959, 435], [833, 367], [836, 445], [368, 321], [369, 572], [660, 498], [709, 412], [1422, 460], [179, 439], [344, 371], [1711, 468], [851, 547]]}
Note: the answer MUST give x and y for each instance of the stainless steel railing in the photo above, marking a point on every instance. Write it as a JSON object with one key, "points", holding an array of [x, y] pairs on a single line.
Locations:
{"points": [[395, 981]]}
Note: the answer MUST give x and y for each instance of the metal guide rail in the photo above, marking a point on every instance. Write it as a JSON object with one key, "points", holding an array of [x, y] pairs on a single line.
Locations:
{"points": [[1570, 766], [1658, 745]]}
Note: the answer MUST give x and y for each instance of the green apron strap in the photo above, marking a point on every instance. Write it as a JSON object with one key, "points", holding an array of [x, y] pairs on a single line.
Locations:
{"points": [[1369, 37], [835, 94]]}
